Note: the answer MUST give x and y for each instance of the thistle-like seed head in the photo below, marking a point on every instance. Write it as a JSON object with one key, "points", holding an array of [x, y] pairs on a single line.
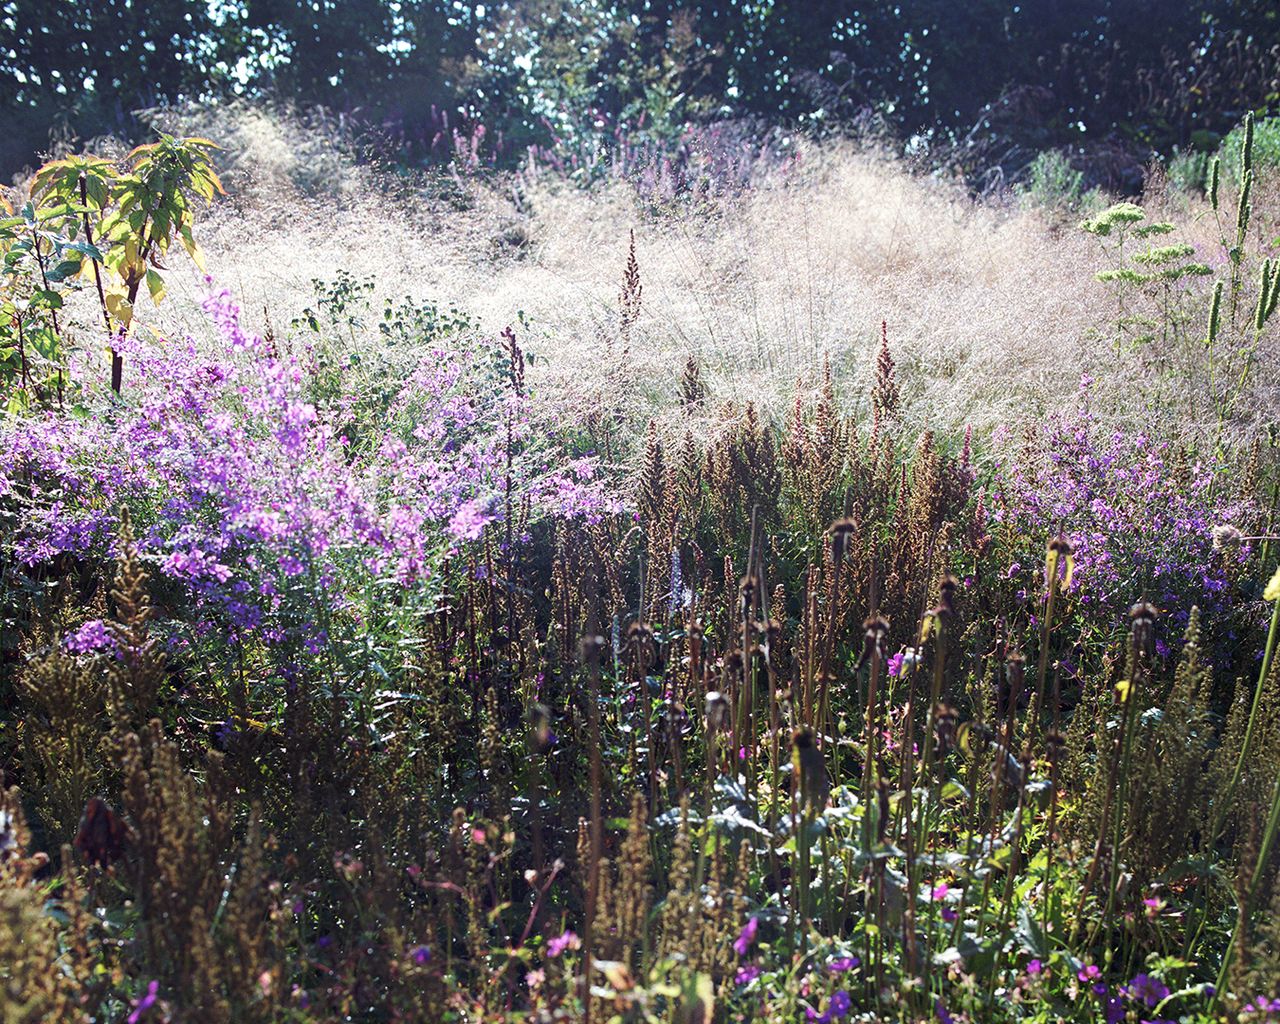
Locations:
{"points": [[1226, 537], [717, 711]]}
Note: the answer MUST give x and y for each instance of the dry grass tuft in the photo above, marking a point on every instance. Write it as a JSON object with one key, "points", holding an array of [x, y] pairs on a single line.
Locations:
{"points": [[993, 312]]}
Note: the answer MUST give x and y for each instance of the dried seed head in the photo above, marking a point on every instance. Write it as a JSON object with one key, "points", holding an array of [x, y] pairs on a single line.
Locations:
{"points": [[874, 631], [810, 771], [640, 642], [1143, 615], [732, 665], [947, 595], [944, 725], [589, 647], [1226, 537], [842, 531], [1015, 678], [102, 834], [717, 711], [540, 735], [1061, 546]]}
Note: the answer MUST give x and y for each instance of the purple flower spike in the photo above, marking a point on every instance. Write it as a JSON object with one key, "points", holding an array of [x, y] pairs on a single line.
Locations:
{"points": [[746, 937]]}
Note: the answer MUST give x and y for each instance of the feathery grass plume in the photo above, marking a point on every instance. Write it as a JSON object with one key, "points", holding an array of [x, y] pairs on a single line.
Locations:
{"points": [[35, 985], [813, 456], [136, 674], [629, 297], [63, 731], [1244, 209], [687, 485], [884, 391], [693, 392], [1215, 315], [183, 842], [1168, 789], [651, 501], [633, 893]]}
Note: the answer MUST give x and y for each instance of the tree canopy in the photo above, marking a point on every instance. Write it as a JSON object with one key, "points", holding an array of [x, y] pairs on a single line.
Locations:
{"points": [[993, 75]]}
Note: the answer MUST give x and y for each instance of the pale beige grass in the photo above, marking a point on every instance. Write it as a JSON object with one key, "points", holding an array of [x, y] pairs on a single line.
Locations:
{"points": [[993, 311]]}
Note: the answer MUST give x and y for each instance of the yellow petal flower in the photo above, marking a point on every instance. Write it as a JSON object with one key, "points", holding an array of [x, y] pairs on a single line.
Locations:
{"points": [[1272, 593]]}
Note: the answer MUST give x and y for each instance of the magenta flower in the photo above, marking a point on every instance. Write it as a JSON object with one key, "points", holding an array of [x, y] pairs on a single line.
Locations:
{"points": [[92, 636], [1147, 990], [563, 941], [746, 937], [747, 974], [469, 521], [145, 1003]]}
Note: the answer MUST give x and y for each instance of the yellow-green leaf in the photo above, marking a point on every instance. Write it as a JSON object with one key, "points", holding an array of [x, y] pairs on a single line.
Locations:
{"points": [[155, 285], [119, 306]]}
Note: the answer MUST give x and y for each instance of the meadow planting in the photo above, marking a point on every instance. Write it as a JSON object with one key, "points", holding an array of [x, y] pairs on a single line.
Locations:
{"points": [[760, 583]]}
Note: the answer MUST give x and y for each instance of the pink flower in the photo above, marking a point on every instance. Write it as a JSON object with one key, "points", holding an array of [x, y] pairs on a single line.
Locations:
{"points": [[469, 521], [565, 940]]}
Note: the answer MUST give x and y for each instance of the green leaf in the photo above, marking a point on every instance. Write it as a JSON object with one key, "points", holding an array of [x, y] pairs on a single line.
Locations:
{"points": [[63, 270]]}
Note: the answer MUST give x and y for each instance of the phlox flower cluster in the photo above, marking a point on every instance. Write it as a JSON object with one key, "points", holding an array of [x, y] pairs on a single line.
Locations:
{"points": [[251, 490], [1139, 514]]}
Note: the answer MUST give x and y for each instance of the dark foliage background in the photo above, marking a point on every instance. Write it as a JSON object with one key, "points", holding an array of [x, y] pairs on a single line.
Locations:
{"points": [[981, 86]]}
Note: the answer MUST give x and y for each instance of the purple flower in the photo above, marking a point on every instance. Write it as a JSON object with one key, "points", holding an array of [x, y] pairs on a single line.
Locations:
{"points": [[746, 937], [838, 1006], [1146, 989], [842, 964], [92, 636], [565, 940], [420, 955], [469, 521], [145, 1003], [895, 664], [747, 974]]}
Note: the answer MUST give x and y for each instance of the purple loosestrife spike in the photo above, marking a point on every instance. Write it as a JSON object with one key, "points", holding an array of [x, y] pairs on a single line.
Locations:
{"points": [[746, 937]]}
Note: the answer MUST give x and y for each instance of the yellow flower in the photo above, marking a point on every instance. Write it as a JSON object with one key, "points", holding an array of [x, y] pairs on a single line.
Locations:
{"points": [[1272, 593]]}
